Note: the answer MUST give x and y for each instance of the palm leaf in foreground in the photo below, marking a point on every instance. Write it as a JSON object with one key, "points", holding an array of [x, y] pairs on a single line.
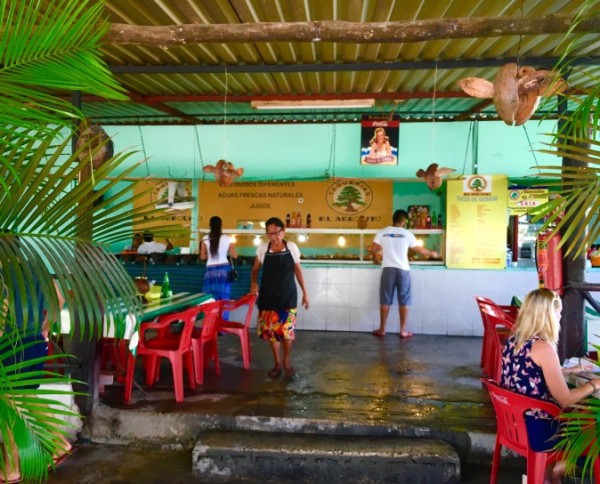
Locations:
{"points": [[44, 210], [578, 434], [574, 212], [50, 48], [31, 417]]}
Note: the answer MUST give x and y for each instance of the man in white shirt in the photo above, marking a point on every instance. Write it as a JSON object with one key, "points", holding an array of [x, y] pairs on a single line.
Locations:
{"points": [[394, 242], [151, 247]]}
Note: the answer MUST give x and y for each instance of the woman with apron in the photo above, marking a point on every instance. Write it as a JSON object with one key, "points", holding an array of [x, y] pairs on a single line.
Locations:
{"points": [[278, 297]]}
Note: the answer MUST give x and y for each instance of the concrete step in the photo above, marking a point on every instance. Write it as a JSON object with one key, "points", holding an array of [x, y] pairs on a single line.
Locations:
{"points": [[280, 457]]}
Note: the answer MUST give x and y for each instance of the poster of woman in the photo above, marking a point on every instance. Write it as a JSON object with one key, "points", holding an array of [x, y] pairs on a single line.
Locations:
{"points": [[379, 142]]}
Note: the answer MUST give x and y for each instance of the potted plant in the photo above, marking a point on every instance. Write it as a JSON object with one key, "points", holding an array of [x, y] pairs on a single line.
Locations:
{"points": [[55, 221]]}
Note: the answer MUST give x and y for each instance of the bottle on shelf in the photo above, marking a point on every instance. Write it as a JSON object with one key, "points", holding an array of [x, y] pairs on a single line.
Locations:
{"points": [[298, 219], [428, 221], [287, 219], [165, 290], [293, 220], [308, 220], [433, 220], [439, 221]]}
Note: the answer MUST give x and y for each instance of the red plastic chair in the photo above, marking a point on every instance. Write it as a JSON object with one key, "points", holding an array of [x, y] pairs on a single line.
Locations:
{"points": [[177, 348], [113, 357], [487, 355], [499, 325], [204, 339], [511, 432], [240, 329]]}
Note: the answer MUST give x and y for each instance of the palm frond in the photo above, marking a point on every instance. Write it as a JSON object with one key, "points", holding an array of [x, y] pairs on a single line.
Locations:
{"points": [[25, 415], [47, 211], [574, 214], [586, 116], [578, 434], [45, 54]]}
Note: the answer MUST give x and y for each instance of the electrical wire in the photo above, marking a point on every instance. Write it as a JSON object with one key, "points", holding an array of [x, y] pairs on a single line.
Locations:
{"points": [[331, 153], [226, 140], [199, 154], [433, 147], [530, 146], [467, 148], [144, 150]]}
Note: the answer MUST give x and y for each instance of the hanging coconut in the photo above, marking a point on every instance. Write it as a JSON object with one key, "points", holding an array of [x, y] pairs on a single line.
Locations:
{"points": [[225, 172], [98, 144], [515, 91], [433, 175]]}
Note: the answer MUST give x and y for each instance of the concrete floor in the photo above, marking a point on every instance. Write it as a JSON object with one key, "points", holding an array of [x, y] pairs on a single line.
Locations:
{"points": [[109, 464], [345, 382], [430, 381]]}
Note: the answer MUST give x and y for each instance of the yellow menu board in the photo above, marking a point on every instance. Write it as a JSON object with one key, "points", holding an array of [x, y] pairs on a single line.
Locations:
{"points": [[339, 203], [476, 223]]}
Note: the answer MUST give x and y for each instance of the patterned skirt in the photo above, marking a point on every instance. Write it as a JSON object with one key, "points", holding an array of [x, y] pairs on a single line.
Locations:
{"points": [[277, 325], [216, 283]]}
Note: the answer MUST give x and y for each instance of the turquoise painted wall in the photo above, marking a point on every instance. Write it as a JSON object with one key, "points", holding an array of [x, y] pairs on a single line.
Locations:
{"points": [[319, 150], [299, 151]]}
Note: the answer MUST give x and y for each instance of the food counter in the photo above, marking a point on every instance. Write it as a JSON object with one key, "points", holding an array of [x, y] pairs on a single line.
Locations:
{"points": [[344, 296], [334, 246]]}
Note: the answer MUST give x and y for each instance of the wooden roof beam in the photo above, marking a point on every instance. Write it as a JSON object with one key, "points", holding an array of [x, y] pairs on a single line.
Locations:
{"points": [[351, 32]]}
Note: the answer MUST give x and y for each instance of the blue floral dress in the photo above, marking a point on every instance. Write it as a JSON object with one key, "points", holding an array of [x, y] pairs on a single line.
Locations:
{"points": [[521, 374]]}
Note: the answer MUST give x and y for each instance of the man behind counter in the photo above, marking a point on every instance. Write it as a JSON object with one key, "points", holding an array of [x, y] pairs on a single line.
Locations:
{"points": [[151, 247], [394, 242]]}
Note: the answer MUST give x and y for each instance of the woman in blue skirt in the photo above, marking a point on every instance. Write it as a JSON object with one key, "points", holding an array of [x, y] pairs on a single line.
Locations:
{"points": [[214, 249]]}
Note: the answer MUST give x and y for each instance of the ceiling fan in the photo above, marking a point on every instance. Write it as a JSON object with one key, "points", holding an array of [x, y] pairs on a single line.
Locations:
{"points": [[177, 197]]}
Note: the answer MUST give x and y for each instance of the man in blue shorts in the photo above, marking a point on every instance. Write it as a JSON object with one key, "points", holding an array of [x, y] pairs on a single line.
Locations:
{"points": [[394, 242]]}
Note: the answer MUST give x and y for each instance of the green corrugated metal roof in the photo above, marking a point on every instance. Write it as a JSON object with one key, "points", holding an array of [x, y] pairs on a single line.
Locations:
{"points": [[415, 80]]}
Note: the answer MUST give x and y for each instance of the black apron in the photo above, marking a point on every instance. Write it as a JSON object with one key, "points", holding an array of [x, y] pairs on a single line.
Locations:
{"points": [[278, 283]]}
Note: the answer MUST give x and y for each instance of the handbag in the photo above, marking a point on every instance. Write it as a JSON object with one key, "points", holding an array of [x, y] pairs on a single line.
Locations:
{"points": [[232, 274]]}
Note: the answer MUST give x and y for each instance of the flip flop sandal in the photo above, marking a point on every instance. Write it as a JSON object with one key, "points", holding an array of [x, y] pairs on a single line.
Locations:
{"points": [[290, 372], [275, 372], [61, 458], [12, 480]]}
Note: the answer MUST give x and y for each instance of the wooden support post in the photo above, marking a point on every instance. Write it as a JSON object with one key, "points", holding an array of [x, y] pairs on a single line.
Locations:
{"points": [[83, 345], [572, 331]]}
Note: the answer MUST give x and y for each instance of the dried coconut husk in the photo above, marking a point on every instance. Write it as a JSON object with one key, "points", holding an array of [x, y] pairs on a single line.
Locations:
{"points": [[506, 93], [515, 91], [433, 175], [95, 136], [477, 87], [552, 85], [225, 172], [528, 103]]}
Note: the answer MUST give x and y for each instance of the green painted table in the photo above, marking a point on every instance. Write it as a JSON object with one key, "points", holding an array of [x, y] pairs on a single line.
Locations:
{"points": [[151, 310], [178, 302]]}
